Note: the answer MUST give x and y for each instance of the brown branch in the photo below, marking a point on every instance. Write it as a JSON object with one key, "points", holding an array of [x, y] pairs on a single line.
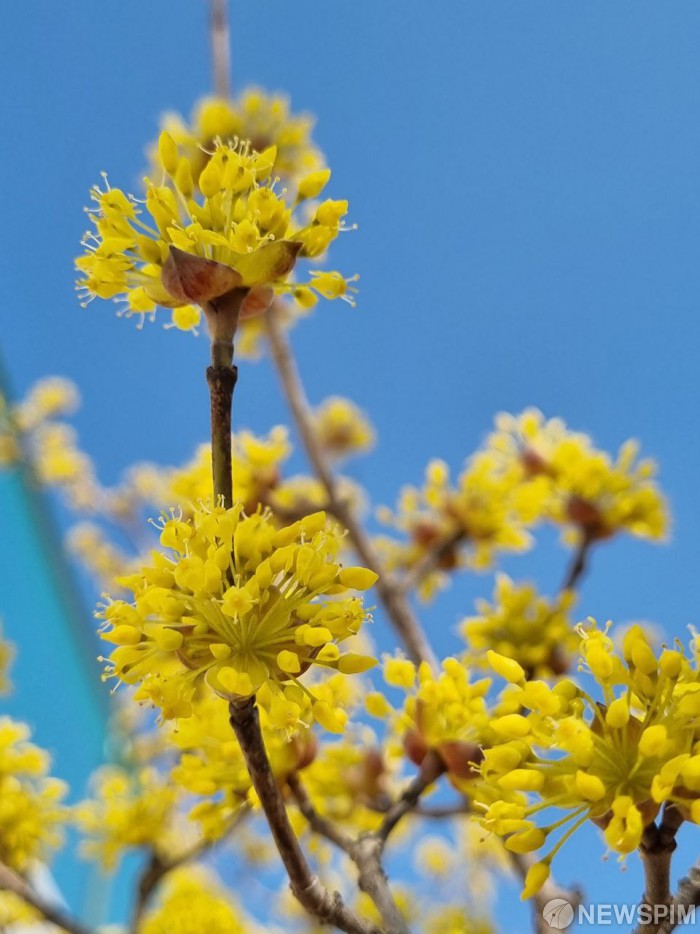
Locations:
{"points": [[221, 378], [443, 812], [366, 851], [579, 563], [395, 602], [12, 882], [373, 880], [431, 769], [656, 849], [328, 907], [684, 903], [220, 46], [319, 824]]}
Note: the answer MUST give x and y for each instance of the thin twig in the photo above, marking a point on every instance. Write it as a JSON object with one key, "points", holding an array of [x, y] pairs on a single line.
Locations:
{"points": [[11, 882], [366, 851], [431, 769], [319, 824], [684, 903], [156, 868], [220, 46], [373, 880], [395, 602], [244, 718], [328, 907], [579, 563]]}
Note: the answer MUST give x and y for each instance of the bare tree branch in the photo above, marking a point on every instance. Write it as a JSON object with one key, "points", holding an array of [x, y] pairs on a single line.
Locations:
{"points": [[220, 46], [395, 602], [12, 882], [366, 851], [579, 563], [686, 898], [656, 850], [328, 907]]}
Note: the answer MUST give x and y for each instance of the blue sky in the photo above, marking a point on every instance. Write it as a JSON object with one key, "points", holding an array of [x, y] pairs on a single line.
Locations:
{"points": [[525, 180]]}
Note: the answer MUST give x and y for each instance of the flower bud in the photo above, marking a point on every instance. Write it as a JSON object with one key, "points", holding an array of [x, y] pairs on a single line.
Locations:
{"points": [[189, 278]]}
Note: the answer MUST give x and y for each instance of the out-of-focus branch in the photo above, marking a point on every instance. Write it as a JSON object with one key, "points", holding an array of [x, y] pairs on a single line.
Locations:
{"points": [[684, 901], [366, 851], [157, 868], [319, 824], [394, 600], [431, 769], [11, 882], [220, 46], [549, 891], [327, 906], [579, 563]]}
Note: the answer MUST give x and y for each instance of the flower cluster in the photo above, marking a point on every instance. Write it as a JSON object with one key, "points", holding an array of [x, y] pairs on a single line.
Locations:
{"points": [[444, 713], [524, 626], [240, 604], [211, 763], [342, 428], [479, 512], [257, 463], [232, 234], [613, 761], [262, 119], [348, 781], [129, 809], [576, 485], [31, 816], [530, 470], [193, 900], [32, 431]]}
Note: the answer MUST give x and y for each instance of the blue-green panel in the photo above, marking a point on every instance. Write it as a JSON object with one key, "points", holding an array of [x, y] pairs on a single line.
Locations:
{"points": [[56, 677]]}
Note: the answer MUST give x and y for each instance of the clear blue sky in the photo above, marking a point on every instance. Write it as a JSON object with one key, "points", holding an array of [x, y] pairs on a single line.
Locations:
{"points": [[526, 180]]}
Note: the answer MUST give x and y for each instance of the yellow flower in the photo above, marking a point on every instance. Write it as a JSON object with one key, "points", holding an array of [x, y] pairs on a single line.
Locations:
{"points": [[341, 428], [348, 780], [31, 816], [462, 525], [239, 238], [194, 901], [48, 398], [257, 463], [612, 761], [129, 809], [535, 632], [239, 604], [567, 480], [263, 120], [445, 713]]}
